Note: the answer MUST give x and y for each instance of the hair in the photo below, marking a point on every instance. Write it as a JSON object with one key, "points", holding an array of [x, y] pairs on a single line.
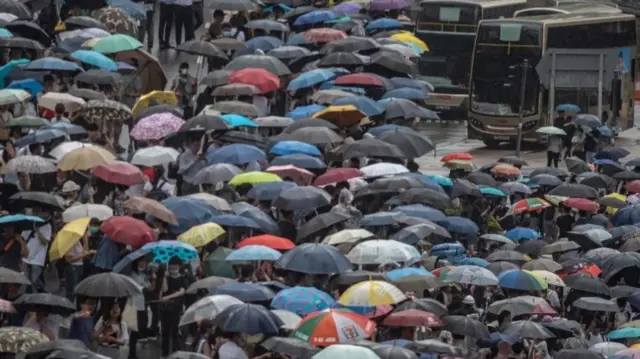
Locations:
{"points": [[60, 109], [218, 13], [175, 261], [184, 65], [47, 78]]}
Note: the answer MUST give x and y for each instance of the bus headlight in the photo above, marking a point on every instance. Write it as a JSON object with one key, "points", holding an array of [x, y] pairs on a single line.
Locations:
{"points": [[475, 123], [528, 126]]}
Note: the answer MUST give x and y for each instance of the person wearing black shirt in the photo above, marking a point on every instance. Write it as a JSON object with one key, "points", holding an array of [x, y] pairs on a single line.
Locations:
{"points": [[287, 228], [12, 249], [174, 285]]}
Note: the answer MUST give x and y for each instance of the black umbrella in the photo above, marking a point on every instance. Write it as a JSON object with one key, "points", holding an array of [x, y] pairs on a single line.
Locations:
{"points": [[236, 107], [528, 329], [20, 43], [587, 283], [16, 8], [313, 258], [112, 285], [309, 122], [350, 44], [576, 165], [417, 283], [368, 147], [292, 347], [347, 26], [55, 303], [202, 48], [160, 109], [99, 77], [83, 22], [233, 90], [42, 200], [424, 304], [574, 191], [316, 136], [513, 160], [341, 59], [507, 256], [269, 63], [611, 202], [622, 291], [413, 234], [546, 180], [463, 187], [348, 279], [216, 78], [389, 61], [413, 145], [254, 139], [393, 352], [578, 354], [288, 53], [425, 196], [86, 94], [301, 10], [8, 276], [627, 175], [436, 347], [499, 267], [558, 172], [396, 183], [462, 325], [204, 123], [233, 5], [297, 65], [29, 30], [585, 241], [406, 109], [613, 265], [302, 198], [208, 284], [532, 248], [481, 178], [563, 328], [595, 304], [320, 223]]}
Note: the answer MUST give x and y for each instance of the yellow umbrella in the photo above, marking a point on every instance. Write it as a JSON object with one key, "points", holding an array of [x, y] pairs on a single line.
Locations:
{"points": [[200, 236], [409, 37], [91, 42], [346, 115], [254, 178], [85, 158], [67, 237], [612, 210], [61, 26], [154, 98]]}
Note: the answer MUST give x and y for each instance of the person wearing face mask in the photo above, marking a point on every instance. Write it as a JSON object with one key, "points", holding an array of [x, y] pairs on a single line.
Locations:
{"points": [[70, 193], [189, 163], [141, 274], [174, 285], [185, 87]]}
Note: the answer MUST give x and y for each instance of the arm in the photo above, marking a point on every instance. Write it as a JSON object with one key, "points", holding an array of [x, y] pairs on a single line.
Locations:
{"points": [[177, 294], [24, 251], [185, 165], [43, 240]]}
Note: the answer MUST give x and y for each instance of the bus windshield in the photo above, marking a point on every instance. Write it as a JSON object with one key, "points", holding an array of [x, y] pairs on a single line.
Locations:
{"points": [[502, 50]]}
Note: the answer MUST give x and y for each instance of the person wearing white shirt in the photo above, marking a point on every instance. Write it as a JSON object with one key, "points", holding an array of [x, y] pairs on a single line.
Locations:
{"points": [[162, 185], [37, 242]]}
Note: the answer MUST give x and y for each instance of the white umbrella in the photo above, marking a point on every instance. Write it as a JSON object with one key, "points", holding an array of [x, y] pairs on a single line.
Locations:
{"points": [[380, 251], [273, 121], [30, 164], [207, 308], [471, 275], [551, 278], [12, 96], [383, 169], [347, 236], [290, 319], [404, 50], [216, 202], [607, 349], [98, 211], [154, 156], [62, 149], [71, 103]]}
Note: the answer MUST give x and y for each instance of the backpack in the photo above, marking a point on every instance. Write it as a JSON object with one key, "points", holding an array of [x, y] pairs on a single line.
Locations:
{"points": [[157, 193]]}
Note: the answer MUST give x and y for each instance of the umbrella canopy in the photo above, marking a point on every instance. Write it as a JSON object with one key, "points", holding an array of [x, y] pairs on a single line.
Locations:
{"points": [[112, 285], [327, 328], [528, 329], [290, 346], [314, 259], [302, 300], [207, 308], [247, 318], [371, 293], [462, 325]]}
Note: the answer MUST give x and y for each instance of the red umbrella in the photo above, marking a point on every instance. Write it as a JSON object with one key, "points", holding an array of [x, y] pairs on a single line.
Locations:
{"points": [[633, 186], [336, 175], [119, 172], [412, 318], [379, 311], [260, 78], [361, 79], [324, 35], [457, 156], [268, 240], [582, 204], [128, 230]]}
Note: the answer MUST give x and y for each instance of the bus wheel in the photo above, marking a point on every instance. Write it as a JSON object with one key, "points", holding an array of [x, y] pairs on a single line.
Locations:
{"points": [[491, 144]]}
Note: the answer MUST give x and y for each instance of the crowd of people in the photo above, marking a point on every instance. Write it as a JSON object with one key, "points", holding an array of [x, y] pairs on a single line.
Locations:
{"points": [[275, 208]]}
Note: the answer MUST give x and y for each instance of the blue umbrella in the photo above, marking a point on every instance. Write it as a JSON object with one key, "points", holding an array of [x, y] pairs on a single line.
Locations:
{"points": [[135, 10], [266, 222], [313, 258], [380, 219], [421, 211], [5, 33], [270, 9], [40, 136], [297, 40], [123, 66], [249, 319], [238, 121], [384, 24], [263, 43], [161, 251], [406, 93], [624, 333], [456, 249], [490, 191], [9, 66], [52, 64], [310, 78], [376, 131], [291, 147], [246, 292], [32, 86], [442, 180], [471, 261], [269, 191], [522, 233], [612, 153], [234, 220], [358, 91], [315, 17], [626, 216], [253, 253], [302, 300], [190, 212], [237, 154], [299, 160], [567, 107], [400, 273], [459, 225], [362, 103], [20, 220], [96, 59], [68, 128], [301, 112], [604, 131], [401, 82]]}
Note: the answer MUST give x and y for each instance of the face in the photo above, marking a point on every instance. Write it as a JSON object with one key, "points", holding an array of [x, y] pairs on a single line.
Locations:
{"points": [[142, 264], [88, 305], [183, 71], [194, 146], [115, 311], [174, 269]]}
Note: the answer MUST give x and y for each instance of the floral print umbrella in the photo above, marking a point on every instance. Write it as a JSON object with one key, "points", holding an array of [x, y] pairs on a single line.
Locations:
{"points": [[96, 111], [116, 21], [19, 339], [156, 126]]}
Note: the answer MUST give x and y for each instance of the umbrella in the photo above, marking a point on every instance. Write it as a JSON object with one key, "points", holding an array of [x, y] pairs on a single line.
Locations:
{"points": [[96, 59], [314, 259], [247, 318], [201, 235], [269, 63], [237, 154], [528, 329], [98, 211], [20, 221], [19, 339], [117, 21], [96, 111], [269, 241], [53, 303], [305, 198], [119, 172], [411, 144], [405, 109], [67, 237], [254, 253], [8, 276], [302, 300], [388, 61], [462, 325], [154, 156], [587, 283], [324, 35], [368, 147], [98, 77], [128, 231], [595, 304], [329, 327], [273, 121], [293, 347], [207, 308], [152, 208], [260, 78], [156, 126], [208, 284], [467, 274], [112, 285], [371, 293], [32, 199], [254, 178], [30, 165], [381, 251], [521, 280], [202, 48]]}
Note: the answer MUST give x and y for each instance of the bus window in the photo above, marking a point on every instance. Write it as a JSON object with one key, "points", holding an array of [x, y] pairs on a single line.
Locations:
{"points": [[449, 18], [593, 36]]}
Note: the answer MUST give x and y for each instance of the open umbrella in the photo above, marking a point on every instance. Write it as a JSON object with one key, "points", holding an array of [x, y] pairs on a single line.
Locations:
{"points": [[54, 303], [112, 285], [247, 318], [207, 308], [314, 259], [329, 327], [528, 329], [462, 325], [293, 347], [128, 231]]}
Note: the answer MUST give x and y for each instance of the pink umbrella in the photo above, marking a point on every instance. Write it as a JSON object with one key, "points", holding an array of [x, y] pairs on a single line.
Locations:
{"points": [[119, 172], [631, 353], [156, 126], [300, 176]]}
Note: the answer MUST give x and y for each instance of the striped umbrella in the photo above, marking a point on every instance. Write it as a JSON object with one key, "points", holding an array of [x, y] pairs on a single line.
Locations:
{"points": [[334, 326]]}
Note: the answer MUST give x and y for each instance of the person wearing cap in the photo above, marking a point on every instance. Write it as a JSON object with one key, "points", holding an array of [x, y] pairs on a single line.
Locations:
{"points": [[70, 193], [468, 307]]}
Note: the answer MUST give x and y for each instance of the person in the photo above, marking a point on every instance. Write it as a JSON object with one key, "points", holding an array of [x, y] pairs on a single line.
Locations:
{"points": [[146, 279], [344, 206], [146, 25], [174, 285], [287, 227], [61, 114], [158, 188], [82, 322], [165, 23], [13, 249], [202, 344], [37, 241], [233, 30], [227, 347], [554, 148], [5, 114], [42, 321], [183, 16], [468, 308], [70, 191], [215, 28], [185, 86], [189, 163], [74, 264], [111, 332]]}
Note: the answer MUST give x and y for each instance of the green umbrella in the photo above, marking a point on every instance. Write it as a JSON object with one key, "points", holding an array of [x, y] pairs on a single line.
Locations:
{"points": [[215, 264], [28, 121], [116, 43], [11, 96], [551, 130]]}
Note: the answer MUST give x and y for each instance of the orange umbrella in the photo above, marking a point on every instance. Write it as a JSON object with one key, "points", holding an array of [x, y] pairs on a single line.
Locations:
{"points": [[346, 115], [505, 169], [457, 156]]}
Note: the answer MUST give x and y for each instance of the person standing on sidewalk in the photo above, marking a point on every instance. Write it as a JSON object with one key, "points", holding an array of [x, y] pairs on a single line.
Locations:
{"points": [[146, 25], [165, 23], [183, 10]]}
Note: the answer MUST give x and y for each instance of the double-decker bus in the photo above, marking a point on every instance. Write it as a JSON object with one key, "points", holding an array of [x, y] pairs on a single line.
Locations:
{"points": [[449, 29], [505, 48]]}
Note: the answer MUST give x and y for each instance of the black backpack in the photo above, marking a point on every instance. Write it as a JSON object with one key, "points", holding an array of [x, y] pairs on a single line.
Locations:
{"points": [[157, 193]]}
